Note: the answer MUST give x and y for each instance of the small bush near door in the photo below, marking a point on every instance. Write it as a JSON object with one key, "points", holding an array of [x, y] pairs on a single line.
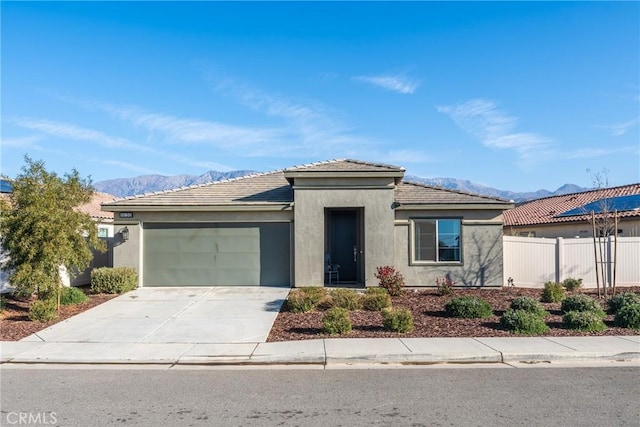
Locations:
{"points": [[375, 299], [397, 319], [301, 300], [346, 298], [117, 280], [336, 321]]}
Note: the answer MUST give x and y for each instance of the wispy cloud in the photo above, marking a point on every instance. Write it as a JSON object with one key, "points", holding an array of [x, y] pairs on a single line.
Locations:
{"points": [[21, 141], [397, 83], [483, 120], [307, 128], [189, 130], [619, 129], [73, 132], [80, 133], [588, 153]]}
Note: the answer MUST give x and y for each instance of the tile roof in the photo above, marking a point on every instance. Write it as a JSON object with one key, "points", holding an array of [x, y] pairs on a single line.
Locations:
{"points": [[259, 189], [411, 193], [272, 188], [545, 210], [94, 207]]}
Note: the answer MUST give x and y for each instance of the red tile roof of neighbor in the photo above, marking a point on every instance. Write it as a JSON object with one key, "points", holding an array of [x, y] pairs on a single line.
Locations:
{"points": [[546, 210], [94, 207]]}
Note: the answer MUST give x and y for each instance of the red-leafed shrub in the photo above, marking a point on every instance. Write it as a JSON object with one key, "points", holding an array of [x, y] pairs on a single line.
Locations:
{"points": [[390, 279]]}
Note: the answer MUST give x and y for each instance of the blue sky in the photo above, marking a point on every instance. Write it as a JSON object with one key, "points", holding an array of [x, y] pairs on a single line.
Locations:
{"points": [[513, 95]]}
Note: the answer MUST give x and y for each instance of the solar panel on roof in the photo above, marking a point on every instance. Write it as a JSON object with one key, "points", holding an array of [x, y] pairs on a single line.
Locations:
{"points": [[5, 186], [610, 204]]}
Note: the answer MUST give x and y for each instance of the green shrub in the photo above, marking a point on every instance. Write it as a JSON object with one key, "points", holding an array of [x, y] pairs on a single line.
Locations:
{"points": [[325, 303], [375, 299], [445, 286], [43, 310], [346, 298], [336, 321], [2, 303], [528, 304], [397, 319], [72, 295], [581, 302], [628, 316], [117, 280], [586, 321], [552, 292], [390, 279], [616, 302], [468, 307], [571, 284], [301, 300], [523, 322]]}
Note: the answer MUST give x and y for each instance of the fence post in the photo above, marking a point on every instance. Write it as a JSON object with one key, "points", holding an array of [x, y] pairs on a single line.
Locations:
{"points": [[559, 259]]}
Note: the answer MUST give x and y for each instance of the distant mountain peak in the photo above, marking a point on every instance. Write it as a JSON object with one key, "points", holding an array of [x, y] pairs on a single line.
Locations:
{"points": [[124, 187]]}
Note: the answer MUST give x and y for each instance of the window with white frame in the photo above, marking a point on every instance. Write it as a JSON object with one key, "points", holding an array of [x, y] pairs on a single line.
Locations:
{"points": [[436, 240]]}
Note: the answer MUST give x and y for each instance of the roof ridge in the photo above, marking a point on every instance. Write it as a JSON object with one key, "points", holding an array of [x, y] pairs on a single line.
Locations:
{"points": [[452, 190], [382, 165]]}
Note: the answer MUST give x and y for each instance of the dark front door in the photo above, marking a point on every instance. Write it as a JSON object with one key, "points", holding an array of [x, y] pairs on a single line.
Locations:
{"points": [[344, 242]]}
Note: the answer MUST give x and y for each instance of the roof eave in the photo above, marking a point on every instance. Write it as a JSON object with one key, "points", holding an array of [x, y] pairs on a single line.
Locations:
{"points": [[453, 206], [198, 208]]}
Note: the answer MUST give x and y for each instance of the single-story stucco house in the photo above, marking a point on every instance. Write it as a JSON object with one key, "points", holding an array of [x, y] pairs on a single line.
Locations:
{"points": [[284, 228]]}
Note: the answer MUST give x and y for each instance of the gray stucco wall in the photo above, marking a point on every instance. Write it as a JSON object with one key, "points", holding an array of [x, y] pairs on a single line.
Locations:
{"points": [[309, 228], [482, 261]]}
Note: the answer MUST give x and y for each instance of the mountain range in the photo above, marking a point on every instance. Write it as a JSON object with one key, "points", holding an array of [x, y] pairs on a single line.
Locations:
{"points": [[123, 187]]}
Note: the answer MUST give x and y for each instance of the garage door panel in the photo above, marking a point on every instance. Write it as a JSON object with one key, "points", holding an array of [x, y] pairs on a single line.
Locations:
{"points": [[216, 254]]}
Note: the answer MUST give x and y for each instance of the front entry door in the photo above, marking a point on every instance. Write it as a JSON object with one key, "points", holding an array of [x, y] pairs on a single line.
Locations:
{"points": [[345, 243]]}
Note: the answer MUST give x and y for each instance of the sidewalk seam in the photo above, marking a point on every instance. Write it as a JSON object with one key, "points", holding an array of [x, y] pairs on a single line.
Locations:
{"points": [[494, 349]]}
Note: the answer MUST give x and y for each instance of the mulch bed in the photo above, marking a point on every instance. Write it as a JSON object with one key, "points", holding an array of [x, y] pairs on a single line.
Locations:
{"points": [[14, 319], [429, 320]]}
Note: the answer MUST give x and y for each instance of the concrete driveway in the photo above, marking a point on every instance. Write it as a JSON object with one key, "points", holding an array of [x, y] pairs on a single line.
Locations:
{"points": [[174, 315]]}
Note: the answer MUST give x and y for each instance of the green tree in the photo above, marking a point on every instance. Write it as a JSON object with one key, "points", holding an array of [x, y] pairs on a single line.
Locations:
{"points": [[41, 229]]}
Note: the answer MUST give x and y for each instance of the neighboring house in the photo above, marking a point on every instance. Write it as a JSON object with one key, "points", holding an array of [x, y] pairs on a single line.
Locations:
{"points": [[104, 222], [569, 215], [284, 227]]}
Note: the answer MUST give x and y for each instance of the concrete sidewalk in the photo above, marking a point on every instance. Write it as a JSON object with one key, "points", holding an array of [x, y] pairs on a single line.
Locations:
{"points": [[335, 351]]}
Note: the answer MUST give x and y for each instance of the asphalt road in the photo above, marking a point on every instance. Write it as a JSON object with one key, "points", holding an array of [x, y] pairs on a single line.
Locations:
{"points": [[393, 397]]}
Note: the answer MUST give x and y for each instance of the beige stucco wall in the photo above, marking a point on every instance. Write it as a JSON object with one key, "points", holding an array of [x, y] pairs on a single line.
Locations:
{"points": [[629, 227], [482, 259], [309, 227]]}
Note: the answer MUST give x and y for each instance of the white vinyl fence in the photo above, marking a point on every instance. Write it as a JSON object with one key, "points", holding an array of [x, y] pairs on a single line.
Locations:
{"points": [[532, 261]]}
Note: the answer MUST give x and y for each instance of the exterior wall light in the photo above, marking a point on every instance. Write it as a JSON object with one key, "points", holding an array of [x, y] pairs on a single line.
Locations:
{"points": [[125, 234]]}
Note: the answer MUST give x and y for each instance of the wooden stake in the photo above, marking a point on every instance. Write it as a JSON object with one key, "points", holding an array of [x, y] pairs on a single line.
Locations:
{"points": [[615, 248], [595, 249]]}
